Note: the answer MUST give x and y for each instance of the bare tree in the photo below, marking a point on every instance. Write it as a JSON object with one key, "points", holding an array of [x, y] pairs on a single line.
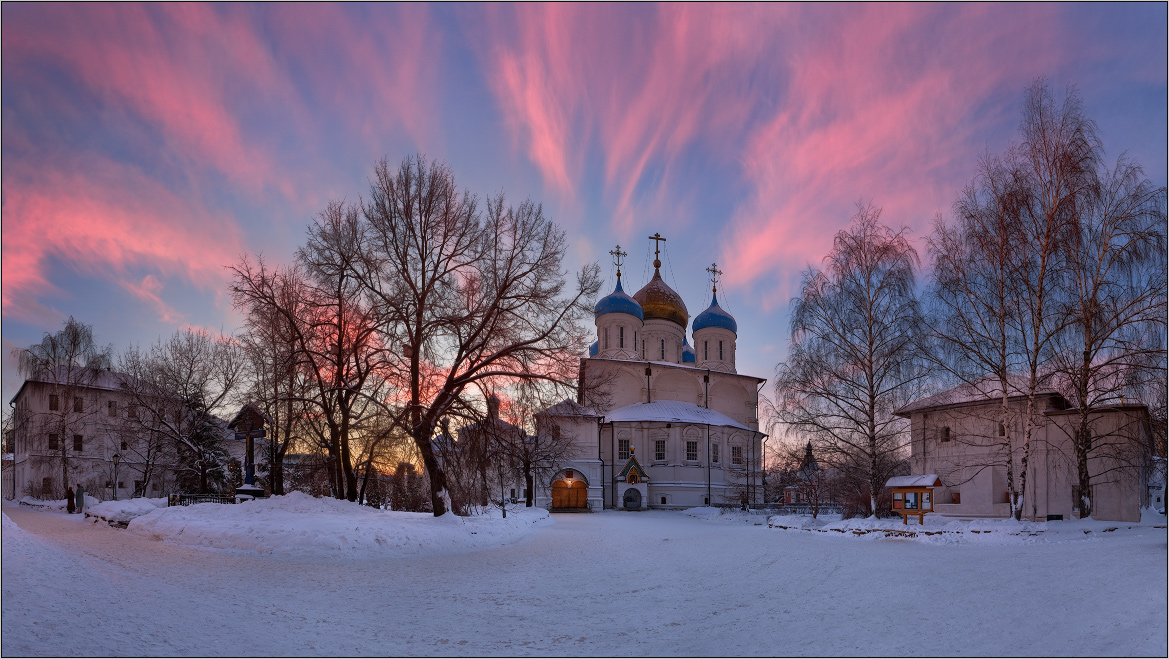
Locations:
{"points": [[1000, 272], [1113, 344], [177, 388], [69, 365], [462, 296], [854, 355]]}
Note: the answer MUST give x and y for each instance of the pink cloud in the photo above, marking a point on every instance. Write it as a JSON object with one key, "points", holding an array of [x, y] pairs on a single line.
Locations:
{"points": [[107, 220]]}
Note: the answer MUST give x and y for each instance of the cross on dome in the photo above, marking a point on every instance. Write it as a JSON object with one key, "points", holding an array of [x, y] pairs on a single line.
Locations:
{"points": [[658, 240], [617, 256], [714, 275]]}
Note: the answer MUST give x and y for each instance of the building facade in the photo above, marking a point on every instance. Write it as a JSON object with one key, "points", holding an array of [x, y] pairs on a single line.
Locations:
{"points": [[68, 428], [964, 436]]}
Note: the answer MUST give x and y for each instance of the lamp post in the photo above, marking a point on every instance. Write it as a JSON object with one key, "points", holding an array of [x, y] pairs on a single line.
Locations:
{"points": [[117, 459]]}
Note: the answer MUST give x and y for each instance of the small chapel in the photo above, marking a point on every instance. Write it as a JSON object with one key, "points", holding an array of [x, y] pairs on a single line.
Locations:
{"points": [[668, 421]]}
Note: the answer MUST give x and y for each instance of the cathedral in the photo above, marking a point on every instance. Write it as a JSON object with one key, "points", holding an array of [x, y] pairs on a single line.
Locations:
{"points": [[660, 421]]}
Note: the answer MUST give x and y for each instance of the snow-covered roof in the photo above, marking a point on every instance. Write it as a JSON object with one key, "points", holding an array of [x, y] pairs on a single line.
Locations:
{"points": [[672, 411], [568, 407], [927, 480], [987, 388]]}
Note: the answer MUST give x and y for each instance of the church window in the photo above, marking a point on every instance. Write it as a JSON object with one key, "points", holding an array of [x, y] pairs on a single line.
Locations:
{"points": [[663, 350], [606, 338], [568, 473], [946, 434], [714, 453], [692, 451], [1088, 439], [52, 441], [720, 351], [78, 443], [737, 455], [660, 450], [113, 408], [663, 500], [622, 449], [621, 337], [643, 348], [78, 405], [705, 350], [54, 402]]}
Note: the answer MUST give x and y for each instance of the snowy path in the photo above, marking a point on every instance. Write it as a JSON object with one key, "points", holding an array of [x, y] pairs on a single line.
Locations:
{"points": [[655, 583]]}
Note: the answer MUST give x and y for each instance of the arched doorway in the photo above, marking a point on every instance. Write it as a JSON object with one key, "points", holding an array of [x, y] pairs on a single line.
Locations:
{"points": [[570, 495], [632, 498]]}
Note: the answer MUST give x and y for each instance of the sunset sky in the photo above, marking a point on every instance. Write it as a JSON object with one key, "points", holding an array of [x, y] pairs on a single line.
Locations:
{"points": [[145, 148]]}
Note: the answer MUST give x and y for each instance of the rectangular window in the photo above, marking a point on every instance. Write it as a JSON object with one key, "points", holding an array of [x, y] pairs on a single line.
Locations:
{"points": [[78, 443], [705, 350], [139, 488], [568, 474], [78, 406], [714, 453], [124, 445], [606, 338], [121, 485], [621, 337], [1088, 441], [737, 455], [946, 434], [113, 408], [622, 449], [720, 351], [635, 339], [46, 486], [663, 350], [54, 403], [513, 492], [659, 450], [692, 451], [643, 348], [52, 441]]}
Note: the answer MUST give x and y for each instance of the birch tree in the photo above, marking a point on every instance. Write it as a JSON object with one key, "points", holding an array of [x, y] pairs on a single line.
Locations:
{"points": [[854, 356]]}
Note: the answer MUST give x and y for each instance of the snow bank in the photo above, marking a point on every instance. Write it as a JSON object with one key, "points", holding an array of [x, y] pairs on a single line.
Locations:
{"points": [[297, 524], [124, 510]]}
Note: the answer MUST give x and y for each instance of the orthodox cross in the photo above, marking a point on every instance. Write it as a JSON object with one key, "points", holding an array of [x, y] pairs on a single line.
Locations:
{"points": [[658, 240], [617, 256], [714, 275]]}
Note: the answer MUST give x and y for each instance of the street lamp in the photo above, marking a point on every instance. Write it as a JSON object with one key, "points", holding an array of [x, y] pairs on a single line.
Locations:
{"points": [[117, 459]]}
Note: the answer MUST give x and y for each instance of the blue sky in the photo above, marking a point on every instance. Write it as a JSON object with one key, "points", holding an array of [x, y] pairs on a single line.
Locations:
{"points": [[147, 147]]}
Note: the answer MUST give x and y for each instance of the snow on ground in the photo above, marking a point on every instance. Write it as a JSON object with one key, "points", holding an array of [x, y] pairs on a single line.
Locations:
{"points": [[124, 510], [300, 524], [609, 583]]}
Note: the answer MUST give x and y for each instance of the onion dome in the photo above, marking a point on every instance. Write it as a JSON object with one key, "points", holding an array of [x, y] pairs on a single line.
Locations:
{"points": [[715, 316], [618, 302], [594, 349], [660, 301], [688, 356]]}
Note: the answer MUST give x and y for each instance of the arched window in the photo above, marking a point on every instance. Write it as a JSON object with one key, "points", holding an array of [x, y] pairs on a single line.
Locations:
{"points": [[705, 350], [635, 339], [720, 351], [621, 336], [606, 338]]}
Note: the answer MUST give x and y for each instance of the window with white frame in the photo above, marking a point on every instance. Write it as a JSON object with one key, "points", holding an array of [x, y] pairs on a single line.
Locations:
{"points": [[714, 453], [692, 451], [660, 450], [737, 455], [622, 449]]}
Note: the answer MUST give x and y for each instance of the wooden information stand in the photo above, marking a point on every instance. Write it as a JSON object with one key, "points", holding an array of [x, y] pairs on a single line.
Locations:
{"points": [[913, 495]]}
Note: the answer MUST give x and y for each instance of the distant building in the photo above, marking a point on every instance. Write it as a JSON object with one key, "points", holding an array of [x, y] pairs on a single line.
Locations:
{"points": [[67, 434], [962, 436]]}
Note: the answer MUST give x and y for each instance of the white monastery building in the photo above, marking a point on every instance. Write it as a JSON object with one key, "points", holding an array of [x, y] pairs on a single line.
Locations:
{"points": [[663, 424]]}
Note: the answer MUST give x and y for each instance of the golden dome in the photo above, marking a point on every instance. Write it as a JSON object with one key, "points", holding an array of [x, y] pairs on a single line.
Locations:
{"points": [[658, 300]]}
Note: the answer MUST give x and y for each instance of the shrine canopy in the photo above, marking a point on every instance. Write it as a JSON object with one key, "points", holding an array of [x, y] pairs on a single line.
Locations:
{"points": [[672, 411], [928, 480]]}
